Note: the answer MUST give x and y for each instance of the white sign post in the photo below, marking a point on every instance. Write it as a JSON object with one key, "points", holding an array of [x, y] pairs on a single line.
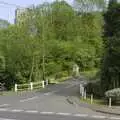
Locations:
{"points": [[110, 102], [43, 84], [31, 86], [16, 88], [91, 99]]}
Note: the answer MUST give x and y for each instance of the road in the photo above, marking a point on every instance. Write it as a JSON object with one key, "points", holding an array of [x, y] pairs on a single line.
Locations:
{"points": [[51, 103]]}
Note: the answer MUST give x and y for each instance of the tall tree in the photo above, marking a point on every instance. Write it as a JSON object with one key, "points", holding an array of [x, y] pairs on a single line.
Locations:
{"points": [[110, 77]]}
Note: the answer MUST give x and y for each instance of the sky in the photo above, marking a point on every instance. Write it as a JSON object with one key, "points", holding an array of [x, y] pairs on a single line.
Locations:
{"points": [[7, 12]]}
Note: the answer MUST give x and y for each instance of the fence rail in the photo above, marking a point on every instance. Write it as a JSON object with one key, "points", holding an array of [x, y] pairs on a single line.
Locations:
{"points": [[30, 86]]}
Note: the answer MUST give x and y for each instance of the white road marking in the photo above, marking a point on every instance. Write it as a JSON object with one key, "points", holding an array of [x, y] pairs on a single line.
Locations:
{"points": [[3, 105], [49, 93], [17, 110], [6, 119], [100, 117], [28, 99], [53, 113], [114, 118], [31, 111], [80, 115], [47, 113], [3, 109], [64, 114]]}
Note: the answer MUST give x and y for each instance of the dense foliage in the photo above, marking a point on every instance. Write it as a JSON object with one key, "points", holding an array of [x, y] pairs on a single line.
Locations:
{"points": [[110, 77], [51, 39]]}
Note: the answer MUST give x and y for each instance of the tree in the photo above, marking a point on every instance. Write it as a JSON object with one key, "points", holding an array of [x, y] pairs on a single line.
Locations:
{"points": [[49, 40], [110, 77]]}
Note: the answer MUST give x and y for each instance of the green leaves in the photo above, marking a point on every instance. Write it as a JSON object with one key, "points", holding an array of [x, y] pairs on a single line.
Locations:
{"points": [[57, 33], [110, 76]]}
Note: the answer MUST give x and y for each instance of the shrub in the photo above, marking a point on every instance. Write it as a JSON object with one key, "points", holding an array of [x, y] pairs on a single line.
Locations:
{"points": [[114, 93], [94, 88], [61, 74]]}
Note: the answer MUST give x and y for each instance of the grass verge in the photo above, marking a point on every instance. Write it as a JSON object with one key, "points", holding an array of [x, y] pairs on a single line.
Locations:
{"points": [[95, 101], [91, 74]]}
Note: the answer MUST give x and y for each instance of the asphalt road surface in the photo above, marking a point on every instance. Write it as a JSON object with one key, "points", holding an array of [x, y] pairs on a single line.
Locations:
{"points": [[50, 103]]}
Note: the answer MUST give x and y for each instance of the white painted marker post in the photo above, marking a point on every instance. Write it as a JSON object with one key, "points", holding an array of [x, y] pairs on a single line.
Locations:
{"points": [[31, 86], [110, 102], [46, 82], [85, 96], [43, 84], [15, 87], [91, 99]]}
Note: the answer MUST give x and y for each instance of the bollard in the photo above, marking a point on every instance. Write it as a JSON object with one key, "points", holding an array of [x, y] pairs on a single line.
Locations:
{"points": [[85, 95], [110, 102], [46, 82], [16, 88], [82, 94], [43, 84], [31, 86], [80, 89], [91, 100]]}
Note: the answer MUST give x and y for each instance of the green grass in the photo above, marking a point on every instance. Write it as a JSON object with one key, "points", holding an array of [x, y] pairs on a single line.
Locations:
{"points": [[95, 101], [90, 74]]}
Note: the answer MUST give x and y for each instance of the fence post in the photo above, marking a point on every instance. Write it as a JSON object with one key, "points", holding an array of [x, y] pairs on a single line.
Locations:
{"points": [[110, 102], [43, 84], [47, 82], [16, 88], [91, 100], [80, 89], [31, 86], [85, 95]]}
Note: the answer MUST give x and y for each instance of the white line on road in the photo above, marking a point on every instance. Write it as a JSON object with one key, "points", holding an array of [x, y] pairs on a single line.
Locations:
{"points": [[47, 113], [28, 99], [81, 115], [17, 110], [100, 117], [31, 111], [6, 119], [64, 114], [3, 105], [49, 93], [3, 109], [114, 118]]}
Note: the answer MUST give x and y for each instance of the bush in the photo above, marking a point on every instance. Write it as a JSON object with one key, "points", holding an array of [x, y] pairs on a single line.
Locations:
{"points": [[94, 88], [114, 93], [61, 74], [8, 79]]}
